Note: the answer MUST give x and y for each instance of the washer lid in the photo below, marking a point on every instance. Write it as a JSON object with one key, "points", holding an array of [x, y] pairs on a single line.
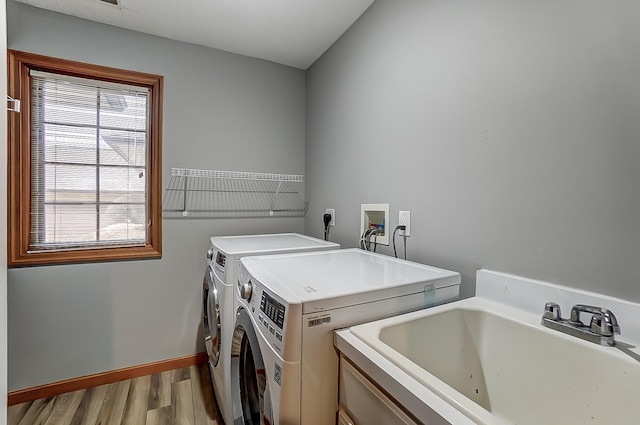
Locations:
{"points": [[264, 244], [325, 280]]}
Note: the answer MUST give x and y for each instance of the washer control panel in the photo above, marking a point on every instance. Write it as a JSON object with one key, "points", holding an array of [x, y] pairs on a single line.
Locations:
{"points": [[271, 331], [268, 311], [273, 309]]}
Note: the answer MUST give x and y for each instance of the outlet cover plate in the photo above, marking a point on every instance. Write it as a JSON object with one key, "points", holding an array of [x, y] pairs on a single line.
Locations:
{"points": [[331, 211], [404, 217]]}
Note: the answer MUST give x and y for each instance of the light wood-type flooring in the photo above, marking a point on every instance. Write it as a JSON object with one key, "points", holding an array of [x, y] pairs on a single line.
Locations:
{"points": [[177, 397]]}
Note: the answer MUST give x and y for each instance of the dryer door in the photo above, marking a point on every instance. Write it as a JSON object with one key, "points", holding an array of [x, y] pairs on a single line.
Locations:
{"points": [[250, 388], [211, 317]]}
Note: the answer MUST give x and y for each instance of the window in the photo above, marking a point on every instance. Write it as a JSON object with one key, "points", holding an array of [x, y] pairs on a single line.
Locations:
{"points": [[84, 162]]}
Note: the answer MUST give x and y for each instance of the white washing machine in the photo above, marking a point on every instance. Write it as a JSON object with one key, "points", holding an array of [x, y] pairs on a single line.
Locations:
{"points": [[284, 368], [218, 296]]}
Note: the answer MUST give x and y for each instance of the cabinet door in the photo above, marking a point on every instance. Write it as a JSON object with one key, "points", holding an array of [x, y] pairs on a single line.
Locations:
{"points": [[362, 403], [344, 419]]}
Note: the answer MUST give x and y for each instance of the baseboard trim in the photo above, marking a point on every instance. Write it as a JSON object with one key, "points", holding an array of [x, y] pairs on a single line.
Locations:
{"points": [[84, 382]]}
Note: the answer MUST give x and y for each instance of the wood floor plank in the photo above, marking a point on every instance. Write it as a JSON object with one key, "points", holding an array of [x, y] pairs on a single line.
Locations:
{"points": [[182, 403], [64, 408], [181, 374], [90, 406], [16, 412], [160, 390], [204, 403], [153, 400], [179, 397], [160, 416], [38, 412], [136, 406], [114, 402]]}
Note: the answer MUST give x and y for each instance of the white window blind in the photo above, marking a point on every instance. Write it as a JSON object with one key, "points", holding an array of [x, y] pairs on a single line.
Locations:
{"points": [[89, 163]]}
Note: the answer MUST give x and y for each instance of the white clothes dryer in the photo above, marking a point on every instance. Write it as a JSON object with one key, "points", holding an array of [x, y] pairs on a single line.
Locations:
{"points": [[284, 368], [218, 296]]}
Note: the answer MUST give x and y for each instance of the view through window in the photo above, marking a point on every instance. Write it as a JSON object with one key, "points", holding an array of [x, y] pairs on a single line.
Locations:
{"points": [[88, 162]]}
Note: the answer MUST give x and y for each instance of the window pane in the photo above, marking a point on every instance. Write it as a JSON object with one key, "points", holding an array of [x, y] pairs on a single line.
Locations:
{"points": [[122, 208], [69, 223], [122, 222], [69, 144], [123, 148], [72, 179], [120, 109], [122, 180], [68, 103]]}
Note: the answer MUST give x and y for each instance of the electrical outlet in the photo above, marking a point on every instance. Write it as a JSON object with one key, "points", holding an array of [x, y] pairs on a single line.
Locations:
{"points": [[404, 218], [333, 216]]}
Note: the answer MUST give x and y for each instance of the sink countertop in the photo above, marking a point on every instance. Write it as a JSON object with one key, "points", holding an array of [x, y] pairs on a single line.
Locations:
{"points": [[519, 298]]}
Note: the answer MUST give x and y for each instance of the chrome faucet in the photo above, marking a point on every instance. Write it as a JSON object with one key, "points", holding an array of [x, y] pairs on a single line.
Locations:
{"points": [[601, 330]]}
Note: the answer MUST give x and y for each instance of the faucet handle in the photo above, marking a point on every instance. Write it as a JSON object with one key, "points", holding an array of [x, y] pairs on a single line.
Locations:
{"points": [[552, 311]]}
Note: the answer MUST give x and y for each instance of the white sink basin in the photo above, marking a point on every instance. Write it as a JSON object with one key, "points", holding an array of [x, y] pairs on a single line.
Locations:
{"points": [[499, 365]]}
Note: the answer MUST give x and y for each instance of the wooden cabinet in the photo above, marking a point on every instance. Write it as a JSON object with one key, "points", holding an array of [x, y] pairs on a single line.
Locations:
{"points": [[363, 403]]}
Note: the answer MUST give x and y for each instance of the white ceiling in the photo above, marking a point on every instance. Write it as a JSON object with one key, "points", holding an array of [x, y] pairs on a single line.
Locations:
{"points": [[290, 32]]}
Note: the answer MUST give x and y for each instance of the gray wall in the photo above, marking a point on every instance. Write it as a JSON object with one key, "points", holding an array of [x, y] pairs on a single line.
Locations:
{"points": [[222, 112], [508, 128]]}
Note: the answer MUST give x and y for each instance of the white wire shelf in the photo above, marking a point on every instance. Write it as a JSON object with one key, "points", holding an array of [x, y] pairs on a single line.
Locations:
{"points": [[229, 194]]}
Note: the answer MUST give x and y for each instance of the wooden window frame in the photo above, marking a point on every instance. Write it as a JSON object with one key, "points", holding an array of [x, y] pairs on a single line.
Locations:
{"points": [[19, 162]]}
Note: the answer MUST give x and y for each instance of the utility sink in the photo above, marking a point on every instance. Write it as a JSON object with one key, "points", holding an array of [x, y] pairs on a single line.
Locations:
{"points": [[499, 365]]}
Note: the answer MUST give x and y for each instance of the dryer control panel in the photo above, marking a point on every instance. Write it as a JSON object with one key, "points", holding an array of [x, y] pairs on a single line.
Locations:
{"points": [[219, 262]]}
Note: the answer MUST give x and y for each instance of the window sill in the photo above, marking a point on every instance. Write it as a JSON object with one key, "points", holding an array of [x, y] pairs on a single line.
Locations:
{"points": [[48, 258]]}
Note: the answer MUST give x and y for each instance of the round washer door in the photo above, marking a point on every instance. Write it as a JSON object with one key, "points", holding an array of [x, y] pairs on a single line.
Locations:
{"points": [[250, 388], [211, 317]]}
